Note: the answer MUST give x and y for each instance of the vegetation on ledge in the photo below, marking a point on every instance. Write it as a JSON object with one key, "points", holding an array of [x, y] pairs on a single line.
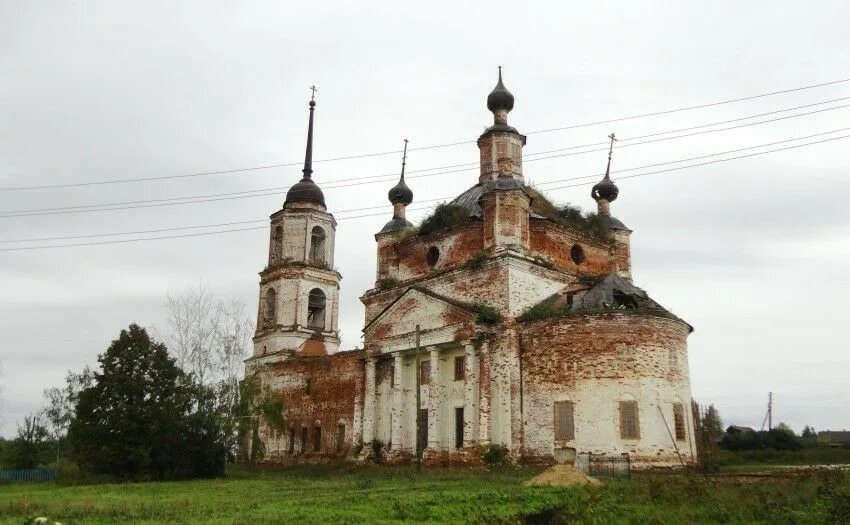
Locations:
{"points": [[444, 216], [588, 223], [541, 311], [486, 313]]}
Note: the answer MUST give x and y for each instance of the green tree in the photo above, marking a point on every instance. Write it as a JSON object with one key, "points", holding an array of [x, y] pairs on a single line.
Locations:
{"points": [[809, 432], [144, 417], [712, 421], [30, 448], [61, 401]]}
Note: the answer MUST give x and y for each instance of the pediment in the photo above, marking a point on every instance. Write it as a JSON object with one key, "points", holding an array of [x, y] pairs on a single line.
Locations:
{"points": [[440, 319]]}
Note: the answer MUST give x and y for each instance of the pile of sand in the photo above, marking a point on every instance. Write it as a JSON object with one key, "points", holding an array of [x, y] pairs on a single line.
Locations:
{"points": [[562, 475]]}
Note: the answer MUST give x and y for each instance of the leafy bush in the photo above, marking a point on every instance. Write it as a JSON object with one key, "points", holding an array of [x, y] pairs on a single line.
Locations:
{"points": [[495, 455], [444, 216]]}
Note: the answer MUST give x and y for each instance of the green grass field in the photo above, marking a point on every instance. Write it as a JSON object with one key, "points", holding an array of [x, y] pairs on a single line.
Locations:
{"points": [[348, 494]]}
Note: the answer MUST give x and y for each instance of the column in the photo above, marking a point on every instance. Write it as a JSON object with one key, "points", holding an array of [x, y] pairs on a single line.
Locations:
{"points": [[484, 394], [469, 377], [395, 430], [369, 403], [434, 425]]}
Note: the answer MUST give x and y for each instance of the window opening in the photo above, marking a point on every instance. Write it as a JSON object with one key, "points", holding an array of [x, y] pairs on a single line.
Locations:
{"points": [[277, 244], [460, 368], [269, 308], [317, 246], [577, 254], [316, 309], [459, 427], [432, 256]]}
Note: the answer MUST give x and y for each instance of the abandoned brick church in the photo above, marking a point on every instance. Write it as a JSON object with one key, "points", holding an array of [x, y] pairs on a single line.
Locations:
{"points": [[501, 320]]}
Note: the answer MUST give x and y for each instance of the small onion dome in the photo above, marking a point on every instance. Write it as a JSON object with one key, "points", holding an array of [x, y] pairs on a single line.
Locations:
{"points": [[396, 224], [605, 189], [500, 98], [305, 190], [400, 194]]}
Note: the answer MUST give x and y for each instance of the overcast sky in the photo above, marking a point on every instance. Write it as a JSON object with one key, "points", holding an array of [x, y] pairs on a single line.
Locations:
{"points": [[752, 252]]}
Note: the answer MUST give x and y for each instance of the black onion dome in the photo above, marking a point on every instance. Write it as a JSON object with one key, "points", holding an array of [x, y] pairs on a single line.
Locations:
{"points": [[305, 190], [500, 97], [605, 189], [400, 193]]}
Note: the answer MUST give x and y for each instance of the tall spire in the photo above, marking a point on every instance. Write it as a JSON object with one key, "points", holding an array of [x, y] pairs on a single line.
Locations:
{"points": [[305, 190], [308, 155]]}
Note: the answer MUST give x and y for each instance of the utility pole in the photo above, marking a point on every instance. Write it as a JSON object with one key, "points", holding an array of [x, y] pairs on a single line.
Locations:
{"points": [[770, 410], [417, 372]]}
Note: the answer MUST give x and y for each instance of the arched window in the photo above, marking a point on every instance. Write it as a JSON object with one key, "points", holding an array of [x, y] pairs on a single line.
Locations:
{"points": [[316, 309], [317, 245], [269, 307], [277, 244]]}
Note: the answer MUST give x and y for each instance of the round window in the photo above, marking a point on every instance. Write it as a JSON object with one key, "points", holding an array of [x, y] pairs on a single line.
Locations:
{"points": [[577, 254], [432, 256]]}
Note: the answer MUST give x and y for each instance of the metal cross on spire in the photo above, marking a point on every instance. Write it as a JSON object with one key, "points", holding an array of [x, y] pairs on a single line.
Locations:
{"points": [[611, 149], [313, 94], [404, 159], [610, 153]]}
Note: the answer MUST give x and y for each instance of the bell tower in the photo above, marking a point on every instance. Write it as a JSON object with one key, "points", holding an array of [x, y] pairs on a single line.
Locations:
{"points": [[299, 288]]}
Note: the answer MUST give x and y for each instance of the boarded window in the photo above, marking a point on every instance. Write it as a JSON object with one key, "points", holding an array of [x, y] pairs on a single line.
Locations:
{"points": [[679, 421], [317, 439], [629, 423], [303, 439], [317, 246], [459, 427], [564, 423], [424, 372], [316, 309], [460, 368], [291, 440], [340, 437]]}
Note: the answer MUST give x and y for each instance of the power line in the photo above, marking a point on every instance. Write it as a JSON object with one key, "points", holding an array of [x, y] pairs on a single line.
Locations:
{"points": [[436, 146], [198, 234], [263, 192], [711, 162]]}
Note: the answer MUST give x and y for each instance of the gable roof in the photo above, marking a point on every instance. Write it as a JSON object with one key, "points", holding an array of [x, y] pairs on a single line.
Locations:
{"points": [[454, 302]]}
